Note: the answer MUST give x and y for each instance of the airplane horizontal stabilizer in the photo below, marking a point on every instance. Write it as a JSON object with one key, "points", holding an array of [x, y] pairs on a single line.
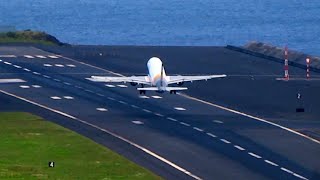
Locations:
{"points": [[166, 89]]}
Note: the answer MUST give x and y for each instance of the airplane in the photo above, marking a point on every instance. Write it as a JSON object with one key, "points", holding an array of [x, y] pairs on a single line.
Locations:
{"points": [[156, 79]]}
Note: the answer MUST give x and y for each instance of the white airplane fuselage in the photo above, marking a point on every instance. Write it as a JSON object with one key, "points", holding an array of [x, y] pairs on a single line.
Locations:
{"points": [[157, 75]]}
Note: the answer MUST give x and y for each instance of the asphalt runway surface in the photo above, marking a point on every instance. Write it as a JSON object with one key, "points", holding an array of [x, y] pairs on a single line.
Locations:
{"points": [[241, 127]]}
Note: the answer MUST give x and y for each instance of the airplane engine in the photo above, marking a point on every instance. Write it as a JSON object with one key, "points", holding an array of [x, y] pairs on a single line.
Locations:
{"points": [[180, 83], [133, 84]]}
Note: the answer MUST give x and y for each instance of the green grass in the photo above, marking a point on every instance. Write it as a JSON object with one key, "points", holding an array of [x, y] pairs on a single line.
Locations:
{"points": [[28, 36], [28, 143]]}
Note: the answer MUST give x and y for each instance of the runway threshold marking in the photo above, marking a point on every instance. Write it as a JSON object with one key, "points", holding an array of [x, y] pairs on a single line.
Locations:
{"points": [[122, 86], [145, 150], [249, 116], [11, 80]]}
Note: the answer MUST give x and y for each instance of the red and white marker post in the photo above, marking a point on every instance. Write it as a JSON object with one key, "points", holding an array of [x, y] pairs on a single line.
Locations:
{"points": [[286, 66], [308, 67]]}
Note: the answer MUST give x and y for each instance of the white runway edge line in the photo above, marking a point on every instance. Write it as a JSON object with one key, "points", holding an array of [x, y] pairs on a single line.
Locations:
{"points": [[110, 133], [249, 116]]}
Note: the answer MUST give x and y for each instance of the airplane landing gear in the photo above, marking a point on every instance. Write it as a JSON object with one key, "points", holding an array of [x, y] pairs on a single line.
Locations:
{"points": [[142, 92], [173, 92]]}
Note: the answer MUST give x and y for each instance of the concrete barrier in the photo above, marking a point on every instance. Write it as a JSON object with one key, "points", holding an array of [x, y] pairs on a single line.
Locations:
{"points": [[276, 54]]}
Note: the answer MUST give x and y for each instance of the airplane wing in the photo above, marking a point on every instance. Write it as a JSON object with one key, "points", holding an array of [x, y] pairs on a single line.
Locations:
{"points": [[134, 79], [177, 79], [165, 88]]}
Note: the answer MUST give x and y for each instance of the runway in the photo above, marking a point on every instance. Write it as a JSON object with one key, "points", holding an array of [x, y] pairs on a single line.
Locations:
{"points": [[212, 131]]}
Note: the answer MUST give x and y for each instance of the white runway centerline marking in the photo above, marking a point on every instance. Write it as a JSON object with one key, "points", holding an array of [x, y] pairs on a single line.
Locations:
{"points": [[225, 141], [26, 69], [68, 97], [71, 65], [28, 56], [212, 135], [185, 124], [110, 85], [158, 114], [54, 57], [146, 110], [40, 56], [24, 87], [47, 65], [122, 86], [17, 66], [7, 62], [137, 122], [134, 106], [286, 170], [156, 97], [46, 76], [36, 73], [101, 109], [55, 97], [271, 163], [58, 80], [239, 147], [217, 121], [179, 108], [66, 83], [112, 99], [198, 129], [122, 102], [36, 86], [172, 119], [254, 155], [144, 97], [59, 65]]}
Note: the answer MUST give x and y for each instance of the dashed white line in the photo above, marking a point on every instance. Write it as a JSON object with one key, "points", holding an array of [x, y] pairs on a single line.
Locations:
{"points": [[100, 94], [271, 163], [46, 76], [111, 98], [185, 124], [70, 65], [172, 119], [144, 97], [26, 69], [299, 176], [179, 108], [122, 86], [28, 56], [59, 65], [66, 83], [134, 106], [137, 122], [101, 109], [217, 121], [47, 65], [36, 73], [254, 155], [55, 97], [58, 80], [36, 86], [110, 85], [157, 114], [225, 141], [7, 62], [212, 135], [24, 87], [239, 147], [17, 66], [54, 57], [286, 170], [8, 56], [68, 97], [122, 102], [156, 97], [88, 90], [146, 110], [40, 56], [198, 129]]}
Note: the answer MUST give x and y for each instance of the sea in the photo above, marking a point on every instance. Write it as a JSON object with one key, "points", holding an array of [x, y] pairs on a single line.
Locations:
{"points": [[295, 23]]}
